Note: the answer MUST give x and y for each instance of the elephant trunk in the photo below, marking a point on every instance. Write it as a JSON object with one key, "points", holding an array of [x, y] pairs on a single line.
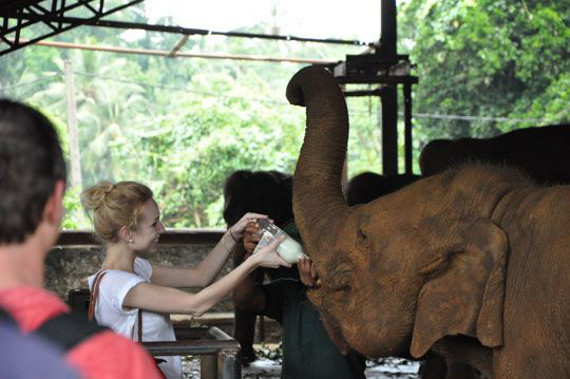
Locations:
{"points": [[318, 200]]}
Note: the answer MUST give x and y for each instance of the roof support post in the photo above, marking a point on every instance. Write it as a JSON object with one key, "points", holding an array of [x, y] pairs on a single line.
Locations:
{"points": [[389, 99]]}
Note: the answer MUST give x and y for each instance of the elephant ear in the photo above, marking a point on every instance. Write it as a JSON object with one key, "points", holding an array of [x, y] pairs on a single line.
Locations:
{"points": [[466, 289]]}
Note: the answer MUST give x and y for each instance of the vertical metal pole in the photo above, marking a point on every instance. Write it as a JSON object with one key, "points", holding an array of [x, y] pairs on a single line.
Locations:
{"points": [[389, 98], [261, 327], [72, 124], [388, 30], [18, 28], [408, 127], [389, 94], [61, 13], [229, 364], [209, 366]]}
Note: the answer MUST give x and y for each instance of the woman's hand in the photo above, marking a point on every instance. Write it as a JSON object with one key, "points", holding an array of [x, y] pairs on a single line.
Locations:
{"points": [[237, 230], [268, 257]]}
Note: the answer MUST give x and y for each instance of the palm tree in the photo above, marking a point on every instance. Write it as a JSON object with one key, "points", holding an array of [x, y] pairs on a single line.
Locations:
{"points": [[107, 110]]}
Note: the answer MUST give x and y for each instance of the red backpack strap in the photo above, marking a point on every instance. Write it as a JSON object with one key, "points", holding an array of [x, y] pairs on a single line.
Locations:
{"points": [[94, 295]]}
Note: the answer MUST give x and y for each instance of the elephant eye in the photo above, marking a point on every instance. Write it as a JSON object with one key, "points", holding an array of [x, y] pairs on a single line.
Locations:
{"points": [[361, 238]]}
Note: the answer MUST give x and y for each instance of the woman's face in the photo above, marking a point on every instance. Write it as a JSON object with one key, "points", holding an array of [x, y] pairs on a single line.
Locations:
{"points": [[149, 228]]}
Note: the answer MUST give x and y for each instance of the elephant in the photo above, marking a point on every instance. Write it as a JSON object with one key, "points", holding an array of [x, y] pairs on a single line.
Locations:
{"points": [[266, 192], [542, 152], [367, 186], [471, 263]]}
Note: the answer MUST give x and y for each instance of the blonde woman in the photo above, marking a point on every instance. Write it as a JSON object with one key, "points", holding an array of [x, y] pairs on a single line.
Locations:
{"points": [[130, 291]]}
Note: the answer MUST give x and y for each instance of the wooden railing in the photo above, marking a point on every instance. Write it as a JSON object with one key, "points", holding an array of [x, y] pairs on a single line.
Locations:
{"points": [[169, 237], [219, 353]]}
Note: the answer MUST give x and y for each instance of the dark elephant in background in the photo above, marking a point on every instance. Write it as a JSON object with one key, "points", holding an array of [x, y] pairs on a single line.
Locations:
{"points": [[367, 186], [265, 192], [542, 152], [472, 263]]}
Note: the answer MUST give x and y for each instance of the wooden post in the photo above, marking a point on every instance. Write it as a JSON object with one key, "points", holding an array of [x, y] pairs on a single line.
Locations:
{"points": [[408, 128], [72, 125], [389, 97]]}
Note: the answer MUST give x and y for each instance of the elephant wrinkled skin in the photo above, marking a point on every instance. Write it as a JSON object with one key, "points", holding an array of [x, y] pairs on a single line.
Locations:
{"points": [[472, 263]]}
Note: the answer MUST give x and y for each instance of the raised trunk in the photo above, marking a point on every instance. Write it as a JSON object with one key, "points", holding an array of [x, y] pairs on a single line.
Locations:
{"points": [[318, 201]]}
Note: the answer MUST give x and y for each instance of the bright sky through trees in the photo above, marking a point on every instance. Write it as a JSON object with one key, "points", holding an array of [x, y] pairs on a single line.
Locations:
{"points": [[358, 19]]}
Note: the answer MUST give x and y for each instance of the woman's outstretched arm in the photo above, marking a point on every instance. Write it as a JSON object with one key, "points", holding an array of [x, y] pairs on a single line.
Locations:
{"points": [[206, 271], [163, 299]]}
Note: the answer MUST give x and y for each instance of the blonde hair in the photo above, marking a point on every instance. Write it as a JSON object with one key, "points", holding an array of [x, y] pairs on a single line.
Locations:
{"points": [[113, 206]]}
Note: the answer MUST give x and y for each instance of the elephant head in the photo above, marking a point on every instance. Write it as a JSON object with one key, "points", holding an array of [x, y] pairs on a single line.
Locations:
{"points": [[409, 268]]}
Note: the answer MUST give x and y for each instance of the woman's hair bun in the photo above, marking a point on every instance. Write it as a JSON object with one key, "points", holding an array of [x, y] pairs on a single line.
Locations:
{"points": [[94, 197], [112, 206]]}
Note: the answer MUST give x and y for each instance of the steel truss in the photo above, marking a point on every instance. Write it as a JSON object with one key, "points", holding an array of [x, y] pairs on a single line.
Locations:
{"points": [[24, 22]]}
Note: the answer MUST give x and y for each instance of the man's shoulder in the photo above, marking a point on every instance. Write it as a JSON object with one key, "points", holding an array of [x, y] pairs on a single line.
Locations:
{"points": [[31, 306], [107, 354], [106, 343], [26, 296], [103, 354]]}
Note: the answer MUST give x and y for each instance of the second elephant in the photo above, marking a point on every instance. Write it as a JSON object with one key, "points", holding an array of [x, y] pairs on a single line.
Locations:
{"points": [[542, 152]]}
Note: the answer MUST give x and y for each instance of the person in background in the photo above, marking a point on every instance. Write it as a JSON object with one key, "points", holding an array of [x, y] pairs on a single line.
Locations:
{"points": [[312, 346], [32, 185], [266, 192], [134, 297]]}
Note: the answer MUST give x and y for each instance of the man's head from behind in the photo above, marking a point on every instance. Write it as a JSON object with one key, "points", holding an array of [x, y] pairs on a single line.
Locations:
{"points": [[32, 172]]}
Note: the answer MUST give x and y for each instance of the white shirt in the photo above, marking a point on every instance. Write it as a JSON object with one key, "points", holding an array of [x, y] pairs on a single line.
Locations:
{"points": [[109, 311]]}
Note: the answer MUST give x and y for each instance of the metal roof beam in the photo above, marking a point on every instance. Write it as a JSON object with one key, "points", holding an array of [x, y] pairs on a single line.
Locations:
{"points": [[53, 14]]}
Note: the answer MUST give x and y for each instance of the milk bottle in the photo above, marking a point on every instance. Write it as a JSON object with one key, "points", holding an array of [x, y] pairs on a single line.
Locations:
{"points": [[289, 249]]}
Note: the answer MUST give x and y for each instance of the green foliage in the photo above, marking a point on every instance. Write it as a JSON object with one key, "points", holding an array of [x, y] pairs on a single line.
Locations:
{"points": [[488, 58], [197, 149], [74, 217]]}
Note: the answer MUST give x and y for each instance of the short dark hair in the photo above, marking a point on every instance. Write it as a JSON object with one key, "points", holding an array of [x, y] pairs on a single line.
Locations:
{"points": [[31, 162], [266, 192]]}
